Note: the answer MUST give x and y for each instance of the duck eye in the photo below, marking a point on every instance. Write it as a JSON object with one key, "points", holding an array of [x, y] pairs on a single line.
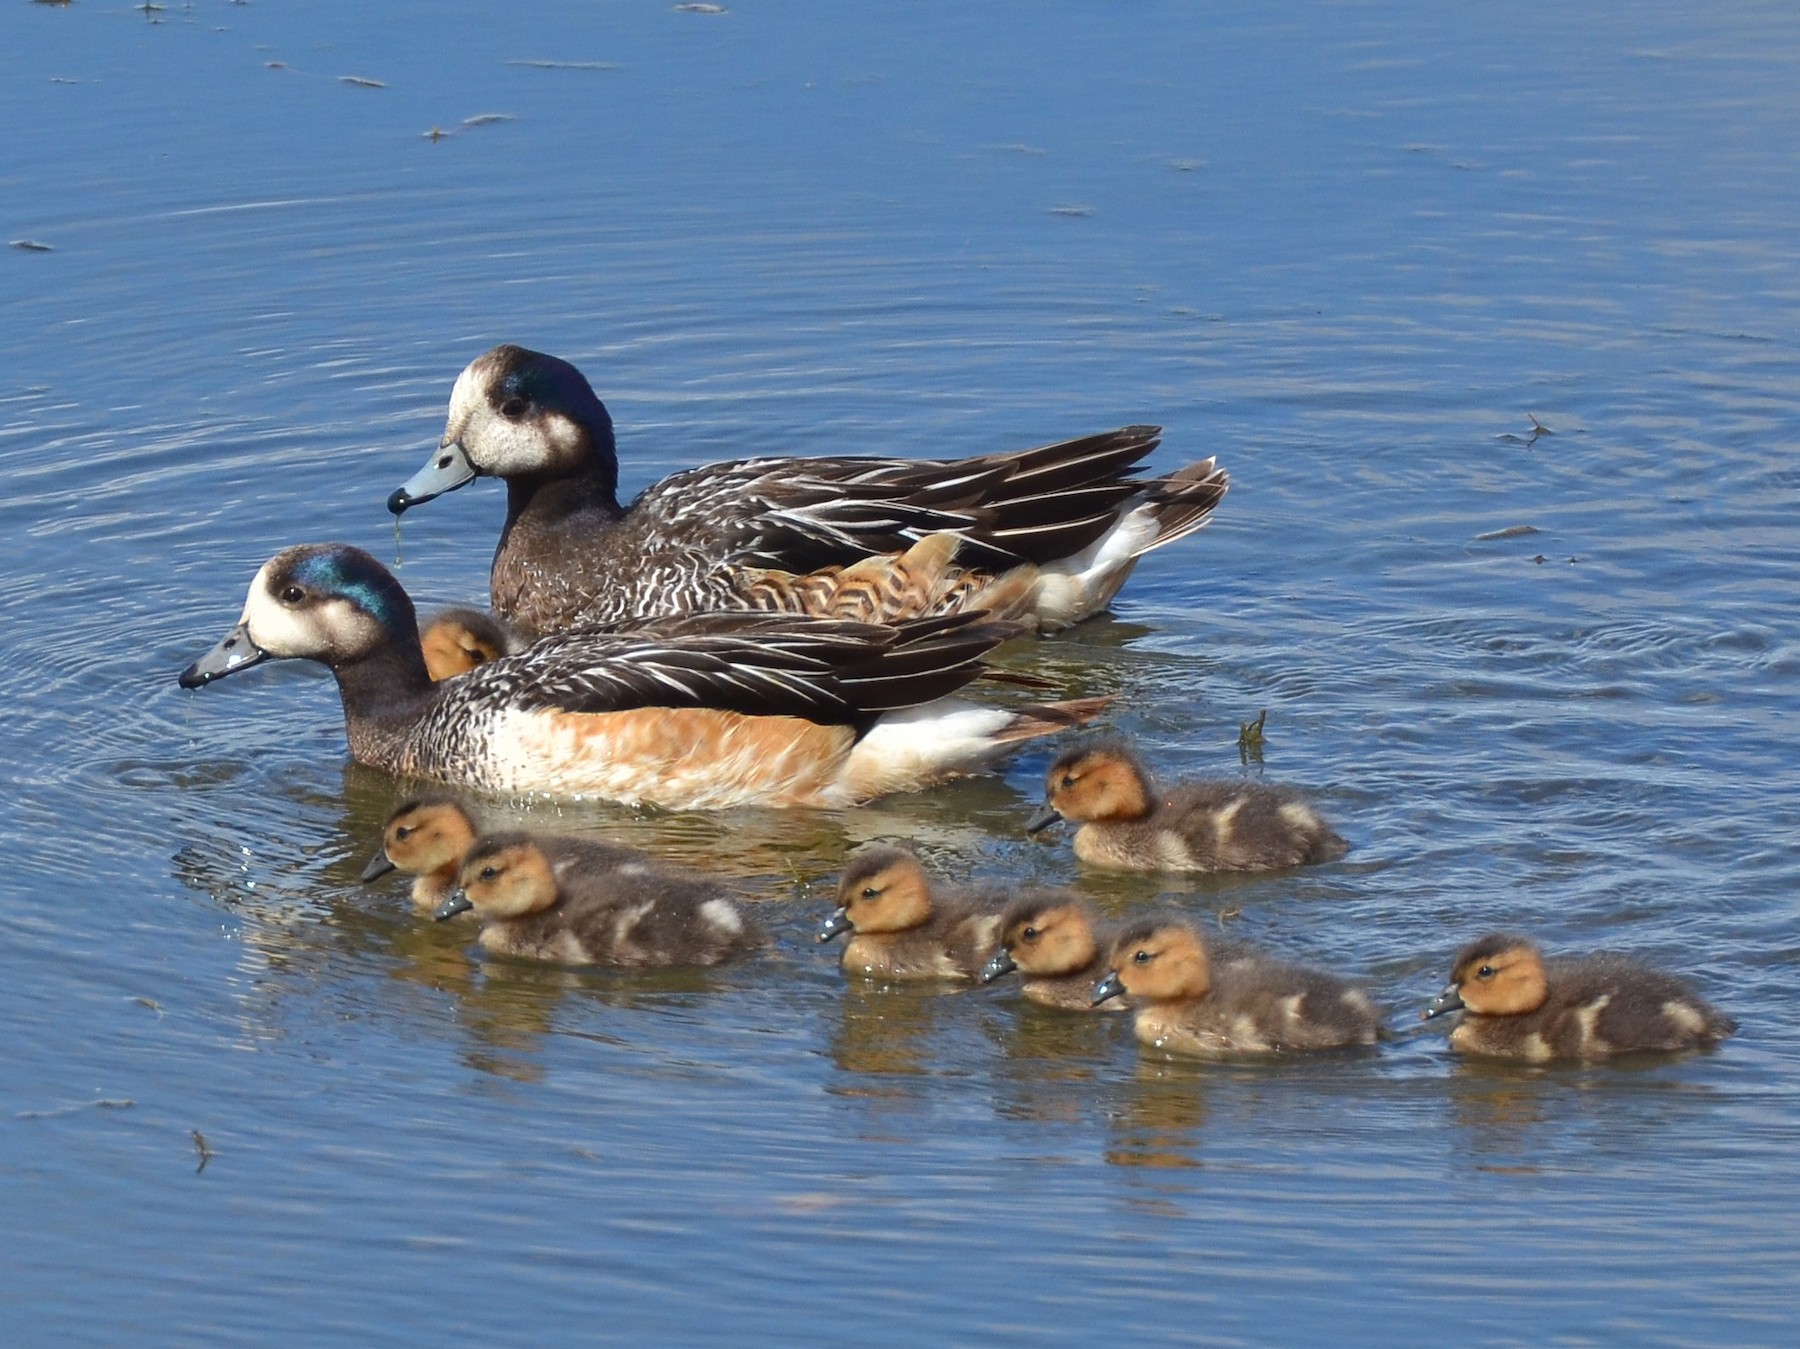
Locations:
{"points": [[869, 892], [292, 595], [1485, 972], [513, 409], [403, 831], [1068, 780], [488, 873], [1142, 958], [1030, 934]]}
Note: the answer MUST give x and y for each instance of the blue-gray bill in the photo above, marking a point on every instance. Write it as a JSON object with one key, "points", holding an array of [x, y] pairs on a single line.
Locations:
{"points": [[1109, 987], [1041, 821], [457, 903], [447, 469], [379, 866], [1450, 1000], [234, 652], [1001, 962], [837, 923]]}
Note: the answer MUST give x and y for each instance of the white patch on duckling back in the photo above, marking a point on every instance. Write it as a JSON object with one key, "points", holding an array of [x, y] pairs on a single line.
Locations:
{"points": [[629, 919], [1303, 818], [723, 915], [1536, 1048], [1685, 1016], [1586, 1017]]}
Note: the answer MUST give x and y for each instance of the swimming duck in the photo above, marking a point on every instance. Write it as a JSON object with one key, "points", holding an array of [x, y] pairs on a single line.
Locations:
{"points": [[1517, 1005], [1220, 998], [427, 838], [456, 640], [903, 926], [1127, 824], [1051, 939], [787, 534], [567, 901], [710, 711]]}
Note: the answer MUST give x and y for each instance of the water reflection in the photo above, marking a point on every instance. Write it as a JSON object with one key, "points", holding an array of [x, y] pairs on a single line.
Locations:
{"points": [[1155, 1115]]}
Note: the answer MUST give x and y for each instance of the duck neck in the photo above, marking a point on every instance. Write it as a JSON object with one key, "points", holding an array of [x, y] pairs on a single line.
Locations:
{"points": [[384, 694]]}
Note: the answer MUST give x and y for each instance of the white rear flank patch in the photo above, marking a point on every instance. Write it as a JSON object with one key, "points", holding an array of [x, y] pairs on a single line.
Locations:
{"points": [[629, 919], [919, 745], [723, 915], [1074, 587], [1300, 817]]}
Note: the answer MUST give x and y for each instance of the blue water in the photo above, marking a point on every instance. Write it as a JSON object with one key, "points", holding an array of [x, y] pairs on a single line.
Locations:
{"points": [[1356, 251]]}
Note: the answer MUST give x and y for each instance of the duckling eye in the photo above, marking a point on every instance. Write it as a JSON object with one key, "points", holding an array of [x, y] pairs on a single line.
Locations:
{"points": [[1030, 934], [869, 892], [1068, 780], [403, 831], [292, 595], [1485, 972], [488, 873], [1142, 958], [513, 409]]}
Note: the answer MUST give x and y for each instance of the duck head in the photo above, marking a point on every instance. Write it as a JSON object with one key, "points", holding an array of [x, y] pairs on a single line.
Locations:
{"points": [[1044, 937], [883, 889], [327, 602], [1497, 975], [422, 836], [1157, 962], [1100, 782], [517, 414], [504, 876]]}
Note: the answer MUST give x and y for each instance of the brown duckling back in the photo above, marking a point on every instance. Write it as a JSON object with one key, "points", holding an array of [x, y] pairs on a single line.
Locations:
{"points": [[1221, 998], [576, 902], [1053, 940], [903, 926], [1126, 823], [1517, 1005]]}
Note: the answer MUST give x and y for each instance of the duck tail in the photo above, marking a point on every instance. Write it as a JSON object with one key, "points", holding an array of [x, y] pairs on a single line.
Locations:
{"points": [[950, 738]]}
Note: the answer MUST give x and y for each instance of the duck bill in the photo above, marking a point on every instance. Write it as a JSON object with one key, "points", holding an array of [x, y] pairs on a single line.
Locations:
{"points": [[1046, 816], [1001, 962], [457, 903], [379, 866], [447, 469], [1108, 988], [233, 653], [838, 923], [1450, 1000]]}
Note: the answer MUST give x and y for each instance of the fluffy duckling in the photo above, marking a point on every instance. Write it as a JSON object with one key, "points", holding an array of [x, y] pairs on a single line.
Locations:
{"points": [[427, 838], [905, 927], [703, 711], [1222, 998], [1517, 1005], [458, 639], [1069, 520], [1053, 941], [1128, 825], [563, 900]]}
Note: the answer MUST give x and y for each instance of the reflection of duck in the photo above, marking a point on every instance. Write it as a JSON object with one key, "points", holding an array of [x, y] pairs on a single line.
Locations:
{"points": [[458, 639], [1051, 939], [1219, 998], [819, 536], [905, 927], [709, 711], [579, 903], [1517, 1005], [1194, 826], [427, 838]]}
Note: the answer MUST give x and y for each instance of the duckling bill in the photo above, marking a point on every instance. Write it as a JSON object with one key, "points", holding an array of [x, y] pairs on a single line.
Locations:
{"points": [[1515, 1004]]}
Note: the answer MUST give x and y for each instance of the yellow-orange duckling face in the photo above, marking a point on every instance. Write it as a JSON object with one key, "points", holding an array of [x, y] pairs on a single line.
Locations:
{"points": [[428, 835], [456, 641], [1157, 962], [505, 876], [1495, 976], [881, 890], [1101, 783], [1049, 939]]}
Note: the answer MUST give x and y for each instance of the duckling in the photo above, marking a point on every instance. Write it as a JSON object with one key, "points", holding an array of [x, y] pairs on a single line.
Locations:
{"points": [[781, 533], [1051, 938], [426, 837], [1517, 1005], [1128, 825], [458, 639], [564, 900], [905, 927], [703, 711], [1223, 998]]}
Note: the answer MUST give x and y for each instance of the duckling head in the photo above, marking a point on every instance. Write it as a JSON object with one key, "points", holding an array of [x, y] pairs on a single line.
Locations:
{"points": [[516, 414], [455, 641], [1497, 975], [883, 889], [426, 834], [327, 602], [1044, 937], [1157, 961], [504, 876], [1100, 782]]}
